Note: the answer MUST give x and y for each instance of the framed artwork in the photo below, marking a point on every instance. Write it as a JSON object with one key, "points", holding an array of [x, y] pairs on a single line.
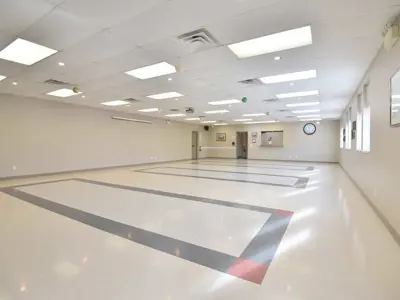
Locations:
{"points": [[221, 137]]}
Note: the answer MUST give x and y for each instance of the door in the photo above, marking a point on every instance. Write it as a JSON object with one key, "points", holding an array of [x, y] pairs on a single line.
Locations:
{"points": [[241, 145], [195, 138]]}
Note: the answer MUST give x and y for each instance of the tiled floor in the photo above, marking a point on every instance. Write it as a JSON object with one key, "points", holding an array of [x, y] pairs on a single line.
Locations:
{"points": [[212, 229]]}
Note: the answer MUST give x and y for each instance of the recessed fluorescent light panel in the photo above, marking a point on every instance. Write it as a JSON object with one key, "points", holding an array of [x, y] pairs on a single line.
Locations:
{"points": [[175, 115], [395, 96], [396, 105], [165, 96], [224, 102], [216, 111], [242, 120], [221, 124], [2, 77], [25, 52], [149, 110], [298, 94], [253, 115], [152, 71], [260, 122], [63, 93], [306, 111], [192, 119], [273, 43], [289, 77], [209, 122], [309, 116], [115, 103], [306, 120], [302, 104]]}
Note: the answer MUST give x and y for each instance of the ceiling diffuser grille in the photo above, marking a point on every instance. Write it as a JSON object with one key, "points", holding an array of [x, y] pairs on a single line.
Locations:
{"points": [[198, 40], [251, 82], [54, 81], [271, 100], [132, 100]]}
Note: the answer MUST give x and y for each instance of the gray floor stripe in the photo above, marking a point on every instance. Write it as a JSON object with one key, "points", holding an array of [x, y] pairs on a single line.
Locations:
{"points": [[246, 163], [196, 254], [182, 196], [219, 171], [263, 247], [251, 265], [221, 179], [253, 166]]}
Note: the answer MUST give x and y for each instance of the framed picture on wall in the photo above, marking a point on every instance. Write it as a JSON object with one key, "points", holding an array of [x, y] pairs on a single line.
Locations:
{"points": [[221, 137]]}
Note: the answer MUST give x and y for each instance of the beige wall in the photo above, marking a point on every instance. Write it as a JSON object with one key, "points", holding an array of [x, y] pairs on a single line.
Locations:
{"points": [[323, 146], [40, 136], [378, 173]]}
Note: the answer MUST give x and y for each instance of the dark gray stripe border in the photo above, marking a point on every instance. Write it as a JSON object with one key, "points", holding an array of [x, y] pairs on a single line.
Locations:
{"points": [[251, 265], [257, 166], [300, 183]]}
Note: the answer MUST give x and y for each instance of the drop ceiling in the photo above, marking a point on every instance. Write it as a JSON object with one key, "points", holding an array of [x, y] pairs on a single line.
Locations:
{"points": [[98, 41]]}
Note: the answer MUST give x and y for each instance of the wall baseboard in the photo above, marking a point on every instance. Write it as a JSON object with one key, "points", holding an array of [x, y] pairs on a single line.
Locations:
{"points": [[393, 232], [86, 170]]}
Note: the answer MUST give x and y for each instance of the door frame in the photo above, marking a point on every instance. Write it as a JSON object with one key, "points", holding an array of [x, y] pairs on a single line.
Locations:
{"points": [[195, 144]]}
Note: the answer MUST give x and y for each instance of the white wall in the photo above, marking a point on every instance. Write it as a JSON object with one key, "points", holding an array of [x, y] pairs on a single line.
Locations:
{"points": [[378, 173], [323, 146], [39, 136]]}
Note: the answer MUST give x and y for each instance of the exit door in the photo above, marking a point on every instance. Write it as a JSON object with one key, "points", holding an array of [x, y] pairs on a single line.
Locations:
{"points": [[195, 140], [242, 145]]}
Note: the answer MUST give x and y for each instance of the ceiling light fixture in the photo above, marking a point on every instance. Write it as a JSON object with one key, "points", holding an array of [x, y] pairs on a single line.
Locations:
{"points": [[149, 110], [395, 96], [277, 58], [253, 115], [298, 94], [273, 43], [192, 119], [175, 115], [260, 122], [223, 102], [152, 71], [216, 111], [291, 84], [83, 96], [221, 124], [25, 52], [15, 83], [63, 93], [208, 122], [61, 64], [395, 110], [169, 79], [308, 120], [306, 111], [309, 116], [115, 103], [396, 105], [2, 77], [242, 120], [165, 96], [302, 104], [289, 77]]}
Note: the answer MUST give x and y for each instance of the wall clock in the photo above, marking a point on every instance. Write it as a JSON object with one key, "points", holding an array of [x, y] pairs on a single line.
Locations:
{"points": [[309, 129]]}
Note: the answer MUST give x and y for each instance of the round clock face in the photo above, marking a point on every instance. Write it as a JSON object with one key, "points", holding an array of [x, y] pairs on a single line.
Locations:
{"points": [[309, 129]]}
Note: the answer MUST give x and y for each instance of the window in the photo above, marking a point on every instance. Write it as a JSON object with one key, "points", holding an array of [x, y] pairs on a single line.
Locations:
{"points": [[348, 129], [359, 127], [341, 135], [366, 118]]}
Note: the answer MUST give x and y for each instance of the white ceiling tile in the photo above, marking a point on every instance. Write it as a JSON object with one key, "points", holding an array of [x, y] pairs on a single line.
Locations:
{"points": [[17, 15], [108, 13], [59, 29]]}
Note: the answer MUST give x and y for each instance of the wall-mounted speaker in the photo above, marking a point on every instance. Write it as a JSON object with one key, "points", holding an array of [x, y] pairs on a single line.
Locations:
{"points": [[206, 128]]}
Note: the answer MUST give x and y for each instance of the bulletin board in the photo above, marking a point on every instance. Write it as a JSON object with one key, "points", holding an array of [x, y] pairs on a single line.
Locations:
{"points": [[272, 138]]}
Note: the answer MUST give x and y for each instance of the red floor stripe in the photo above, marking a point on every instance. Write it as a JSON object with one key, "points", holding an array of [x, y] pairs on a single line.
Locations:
{"points": [[248, 270]]}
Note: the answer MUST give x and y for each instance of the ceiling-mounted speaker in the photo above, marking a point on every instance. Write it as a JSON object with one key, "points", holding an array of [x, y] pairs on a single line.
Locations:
{"points": [[206, 128]]}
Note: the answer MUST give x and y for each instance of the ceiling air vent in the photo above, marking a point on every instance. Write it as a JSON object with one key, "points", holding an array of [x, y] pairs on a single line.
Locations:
{"points": [[290, 117], [271, 100], [54, 81], [174, 109], [198, 40], [251, 82], [283, 110], [132, 100]]}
